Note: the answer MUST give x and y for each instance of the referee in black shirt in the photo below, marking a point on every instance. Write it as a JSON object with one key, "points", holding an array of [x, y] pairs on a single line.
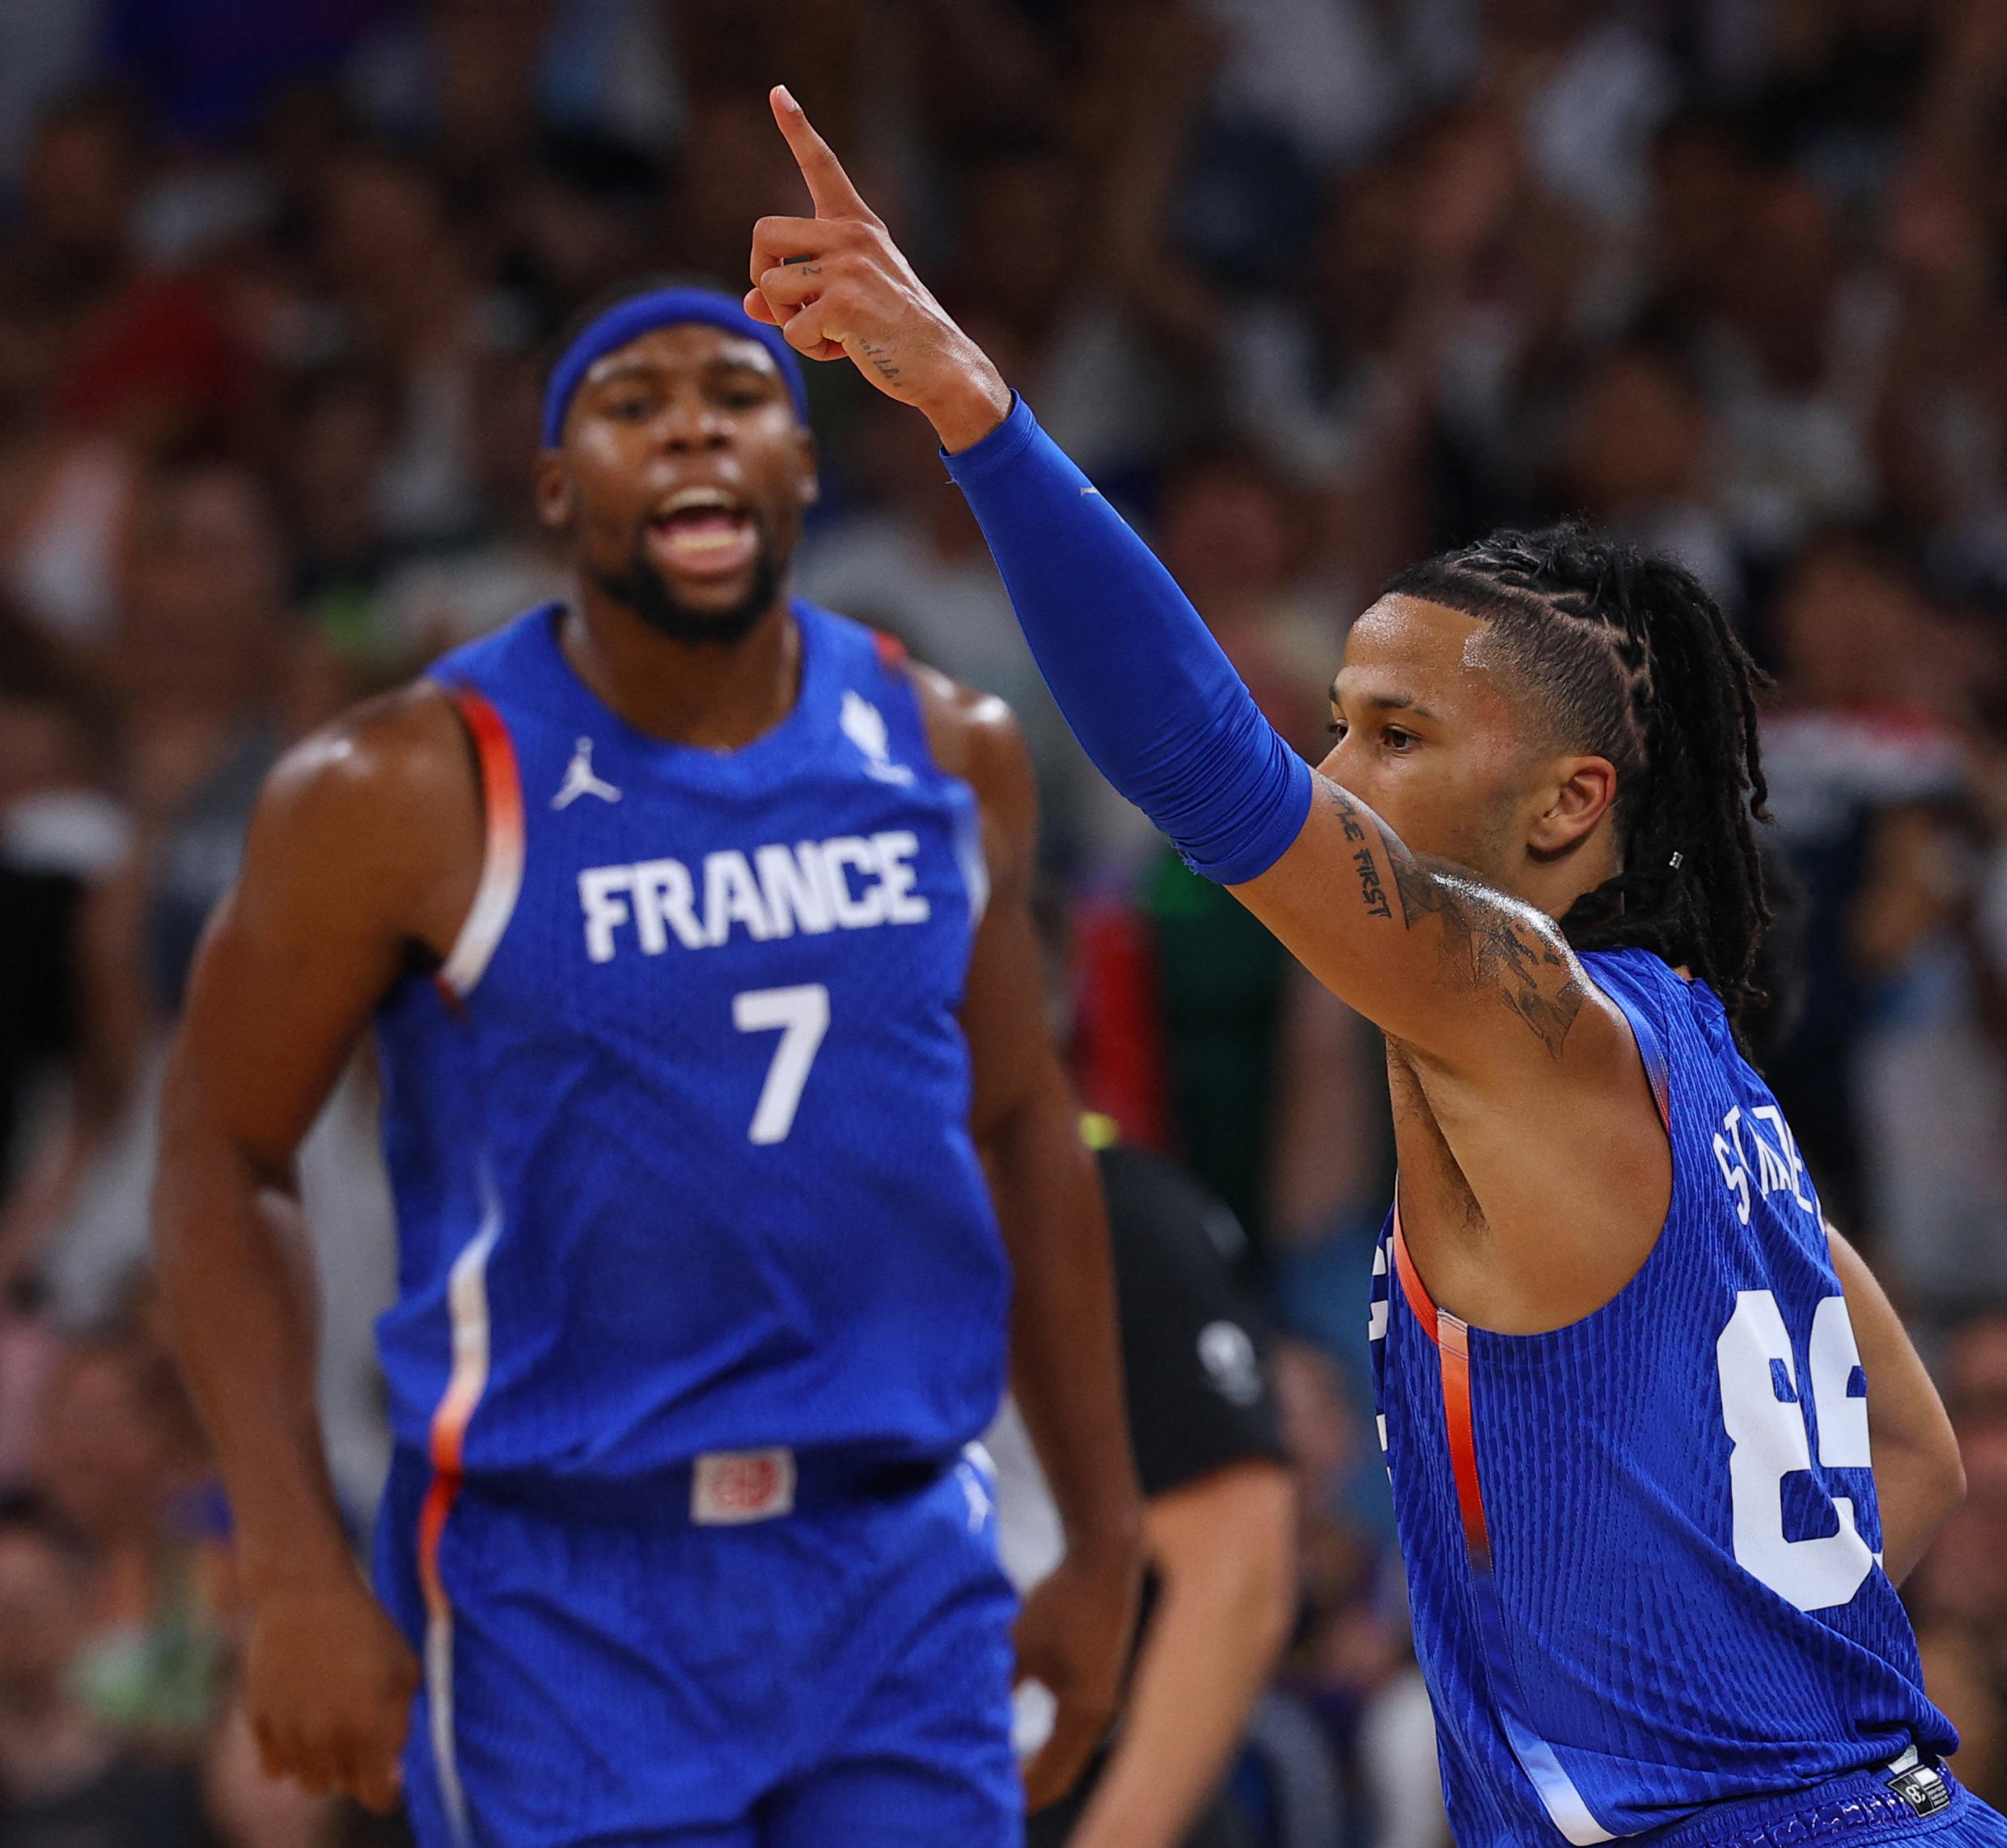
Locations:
{"points": [[1219, 1520]]}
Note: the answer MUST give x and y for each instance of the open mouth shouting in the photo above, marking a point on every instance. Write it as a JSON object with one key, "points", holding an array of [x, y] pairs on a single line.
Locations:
{"points": [[703, 532]]}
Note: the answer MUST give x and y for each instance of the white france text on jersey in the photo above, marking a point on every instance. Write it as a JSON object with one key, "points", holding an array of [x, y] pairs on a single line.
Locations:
{"points": [[847, 883]]}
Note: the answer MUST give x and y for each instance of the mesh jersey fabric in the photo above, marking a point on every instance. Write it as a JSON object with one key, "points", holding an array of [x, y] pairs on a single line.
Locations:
{"points": [[688, 1167], [1668, 1595]]}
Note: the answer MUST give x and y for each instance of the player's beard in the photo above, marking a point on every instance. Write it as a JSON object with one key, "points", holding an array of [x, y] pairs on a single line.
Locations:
{"points": [[642, 589]]}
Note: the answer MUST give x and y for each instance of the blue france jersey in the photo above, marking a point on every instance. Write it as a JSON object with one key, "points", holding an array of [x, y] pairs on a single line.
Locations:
{"points": [[679, 1136], [1642, 1550]]}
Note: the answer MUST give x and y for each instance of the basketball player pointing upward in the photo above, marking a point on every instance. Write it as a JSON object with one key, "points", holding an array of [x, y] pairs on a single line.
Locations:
{"points": [[1620, 1358], [693, 923]]}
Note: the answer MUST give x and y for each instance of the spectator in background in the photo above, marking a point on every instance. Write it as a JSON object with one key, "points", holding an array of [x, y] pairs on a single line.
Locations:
{"points": [[1400, 352], [1961, 1602], [1973, 1368], [1854, 736], [1034, 252], [66, 484], [1228, 530], [210, 676], [1636, 461], [512, 561], [728, 175], [1931, 1078], [1792, 353], [65, 1779], [72, 1011], [1218, 1522], [1219, 1507], [142, 354], [201, 660], [1351, 1662], [583, 218], [120, 1462], [334, 437], [410, 300]]}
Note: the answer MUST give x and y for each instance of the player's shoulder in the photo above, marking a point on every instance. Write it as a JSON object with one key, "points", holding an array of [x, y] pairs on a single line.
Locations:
{"points": [[1639, 972], [1661, 1002], [973, 734], [398, 761], [373, 822]]}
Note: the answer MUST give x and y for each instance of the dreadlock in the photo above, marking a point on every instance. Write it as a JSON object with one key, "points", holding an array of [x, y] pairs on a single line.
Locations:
{"points": [[1635, 662]]}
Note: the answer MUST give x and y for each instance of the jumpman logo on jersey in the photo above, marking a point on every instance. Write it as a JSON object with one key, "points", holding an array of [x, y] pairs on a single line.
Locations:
{"points": [[579, 780]]}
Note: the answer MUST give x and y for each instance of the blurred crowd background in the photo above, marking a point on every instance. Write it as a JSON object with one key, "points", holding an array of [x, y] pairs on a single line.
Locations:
{"points": [[1312, 287]]}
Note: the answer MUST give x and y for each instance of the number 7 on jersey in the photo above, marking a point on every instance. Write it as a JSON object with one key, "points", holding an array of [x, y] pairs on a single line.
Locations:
{"points": [[801, 1017]]}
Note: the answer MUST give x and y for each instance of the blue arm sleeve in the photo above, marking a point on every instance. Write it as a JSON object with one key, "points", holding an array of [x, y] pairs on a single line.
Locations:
{"points": [[1132, 665]]}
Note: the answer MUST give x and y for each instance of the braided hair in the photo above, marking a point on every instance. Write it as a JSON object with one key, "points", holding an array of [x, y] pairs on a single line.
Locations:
{"points": [[1635, 662]]}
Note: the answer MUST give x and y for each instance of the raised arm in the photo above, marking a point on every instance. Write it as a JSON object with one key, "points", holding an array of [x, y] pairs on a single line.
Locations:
{"points": [[1467, 977], [357, 853]]}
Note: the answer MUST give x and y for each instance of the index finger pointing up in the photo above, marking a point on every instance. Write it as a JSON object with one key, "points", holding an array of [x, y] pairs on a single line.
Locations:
{"points": [[828, 185]]}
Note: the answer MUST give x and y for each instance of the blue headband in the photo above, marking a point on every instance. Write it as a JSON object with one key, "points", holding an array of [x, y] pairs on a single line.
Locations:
{"points": [[638, 315]]}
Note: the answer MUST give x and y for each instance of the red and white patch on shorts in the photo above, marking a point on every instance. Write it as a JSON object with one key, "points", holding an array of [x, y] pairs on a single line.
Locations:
{"points": [[728, 1487]]}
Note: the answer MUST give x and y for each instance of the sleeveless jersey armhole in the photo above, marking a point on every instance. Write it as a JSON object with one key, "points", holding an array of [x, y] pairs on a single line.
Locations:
{"points": [[1564, 1803], [503, 845], [1651, 1050]]}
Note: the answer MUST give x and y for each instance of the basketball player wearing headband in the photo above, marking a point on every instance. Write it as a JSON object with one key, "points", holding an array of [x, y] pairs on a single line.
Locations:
{"points": [[693, 924]]}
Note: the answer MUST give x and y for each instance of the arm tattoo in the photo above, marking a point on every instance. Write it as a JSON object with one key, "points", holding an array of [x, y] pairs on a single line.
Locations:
{"points": [[1487, 943], [887, 368], [1371, 891]]}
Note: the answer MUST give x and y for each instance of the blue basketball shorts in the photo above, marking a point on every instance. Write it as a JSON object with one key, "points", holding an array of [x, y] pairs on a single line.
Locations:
{"points": [[839, 1674]]}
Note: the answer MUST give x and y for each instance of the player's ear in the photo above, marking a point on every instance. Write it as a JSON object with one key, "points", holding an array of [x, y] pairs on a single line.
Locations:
{"points": [[1581, 796], [554, 500]]}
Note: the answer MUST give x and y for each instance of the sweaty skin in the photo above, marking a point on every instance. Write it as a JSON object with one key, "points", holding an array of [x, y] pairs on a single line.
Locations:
{"points": [[1446, 835], [363, 858]]}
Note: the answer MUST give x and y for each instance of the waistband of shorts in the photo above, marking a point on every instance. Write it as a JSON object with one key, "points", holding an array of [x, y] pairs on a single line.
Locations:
{"points": [[1857, 1808], [817, 1481]]}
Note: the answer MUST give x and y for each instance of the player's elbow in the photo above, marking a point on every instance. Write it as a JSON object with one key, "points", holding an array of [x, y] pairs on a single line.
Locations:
{"points": [[1935, 1466], [1947, 1480], [207, 1171], [1920, 1486]]}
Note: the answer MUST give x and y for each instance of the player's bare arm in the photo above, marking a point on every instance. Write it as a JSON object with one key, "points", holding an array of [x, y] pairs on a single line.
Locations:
{"points": [[1074, 1634], [1483, 997], [1919, 1480], [364, 852], [1527, 1098]]}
